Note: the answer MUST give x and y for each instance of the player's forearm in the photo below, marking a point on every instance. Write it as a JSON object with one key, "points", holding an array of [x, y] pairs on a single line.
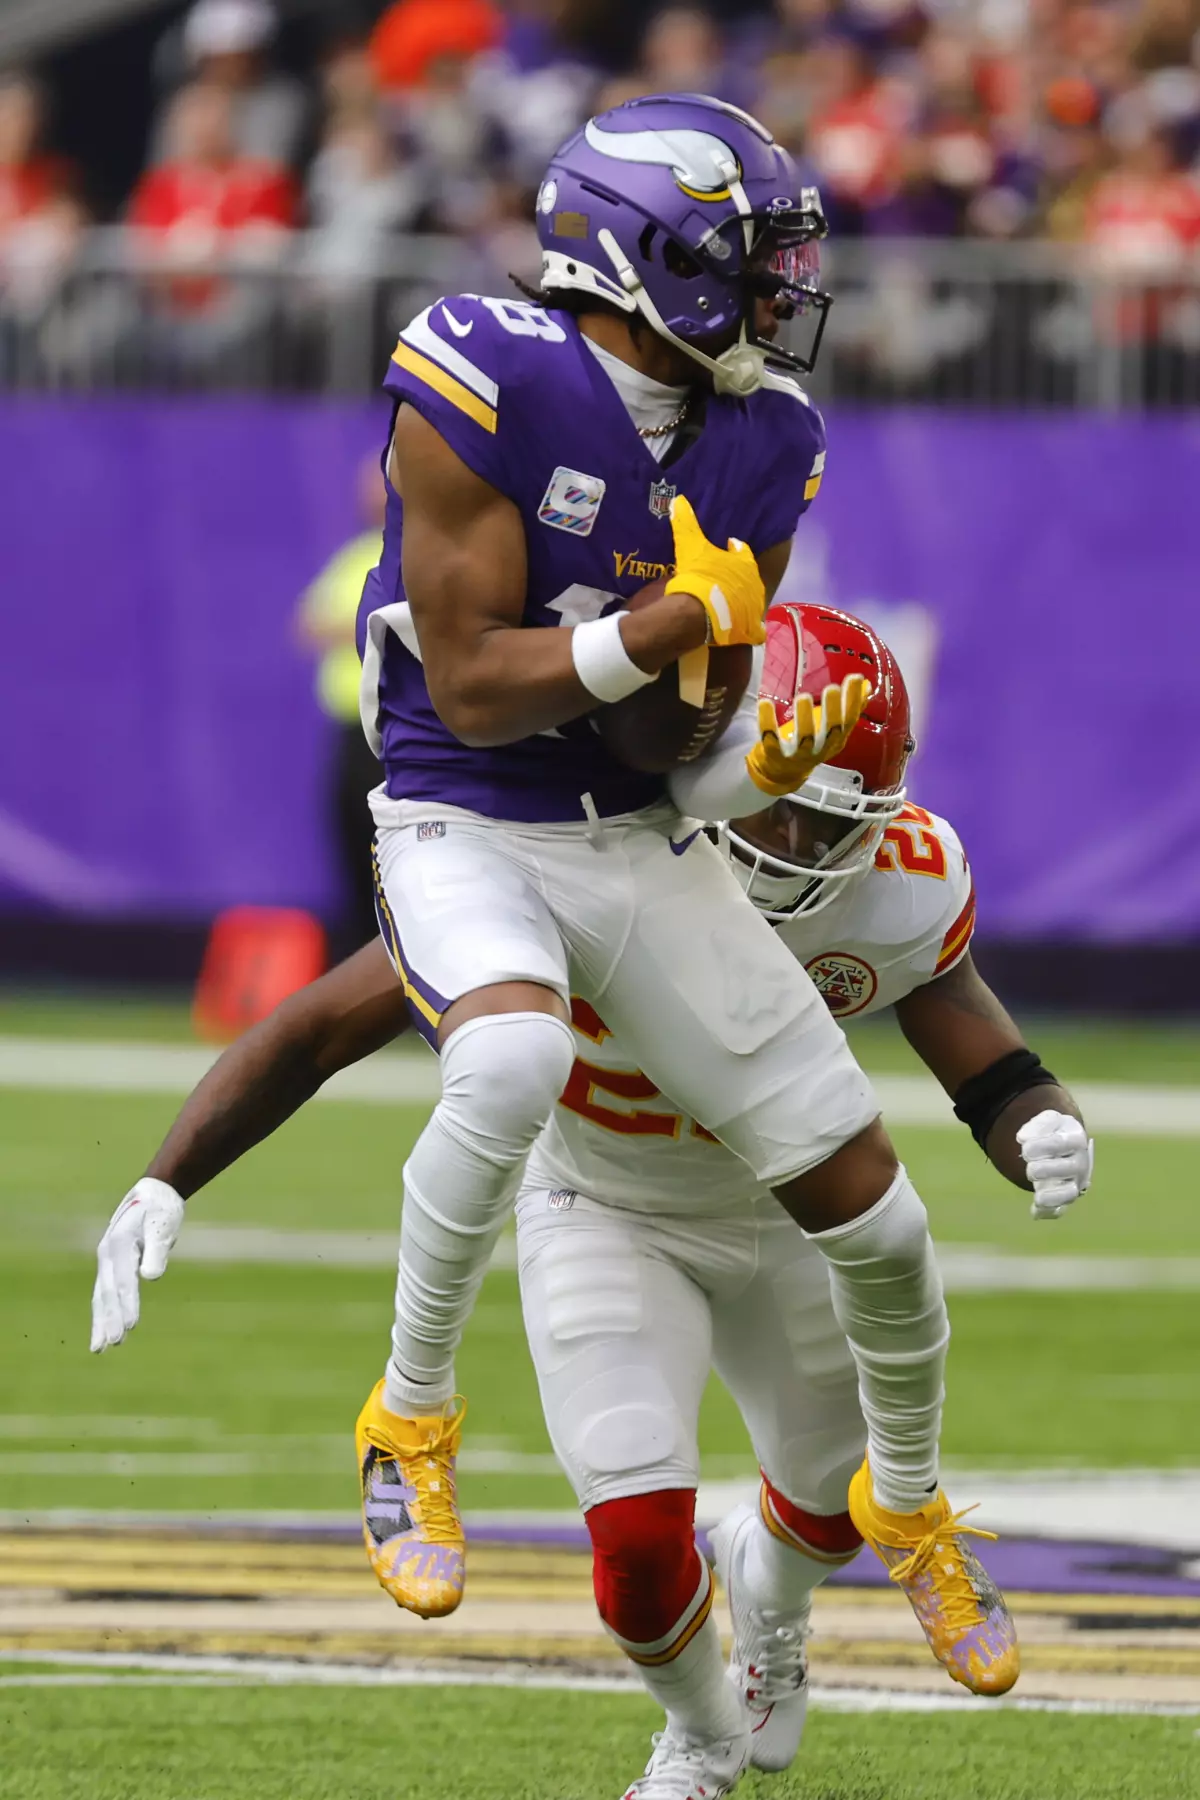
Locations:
{"points": [[1001, 1146], [718, 785], [966, 1039], [257, 1084], [510, 682], [271, 1071]]}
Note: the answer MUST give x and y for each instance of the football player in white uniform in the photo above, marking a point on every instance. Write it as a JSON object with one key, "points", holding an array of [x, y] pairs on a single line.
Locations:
{"points": [[647, 1252]]}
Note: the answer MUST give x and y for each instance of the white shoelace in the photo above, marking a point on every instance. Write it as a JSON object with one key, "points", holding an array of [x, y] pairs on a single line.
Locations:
{"points": [[676, 1771], [778, 1666]]}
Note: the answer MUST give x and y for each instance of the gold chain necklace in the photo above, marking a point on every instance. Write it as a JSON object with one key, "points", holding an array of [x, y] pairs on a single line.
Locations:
{"points": [[654, 431]]}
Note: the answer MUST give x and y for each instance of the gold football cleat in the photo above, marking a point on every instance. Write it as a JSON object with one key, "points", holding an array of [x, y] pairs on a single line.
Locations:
{"points": [[411, 1523], [963, 1614]]}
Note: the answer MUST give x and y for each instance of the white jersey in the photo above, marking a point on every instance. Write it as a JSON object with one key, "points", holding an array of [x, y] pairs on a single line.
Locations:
{"points": [[616, 1138]]}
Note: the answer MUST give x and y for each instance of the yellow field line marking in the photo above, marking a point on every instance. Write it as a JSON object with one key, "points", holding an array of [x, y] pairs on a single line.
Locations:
{"points": [[856, 1653]]}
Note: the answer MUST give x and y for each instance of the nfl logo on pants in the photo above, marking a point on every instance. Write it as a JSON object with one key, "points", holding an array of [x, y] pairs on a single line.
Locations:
{"points": [[661, 495]]}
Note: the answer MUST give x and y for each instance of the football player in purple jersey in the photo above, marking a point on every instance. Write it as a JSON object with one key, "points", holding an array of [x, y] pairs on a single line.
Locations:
{"points": [[530, 451]]}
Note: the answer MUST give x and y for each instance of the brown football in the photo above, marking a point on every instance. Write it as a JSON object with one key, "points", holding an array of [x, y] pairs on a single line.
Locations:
{"points": [[655, 729]]}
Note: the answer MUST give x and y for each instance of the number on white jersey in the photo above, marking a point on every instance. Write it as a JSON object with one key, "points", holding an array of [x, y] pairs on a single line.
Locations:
{"points": [[911, 843], [587, 1080]]}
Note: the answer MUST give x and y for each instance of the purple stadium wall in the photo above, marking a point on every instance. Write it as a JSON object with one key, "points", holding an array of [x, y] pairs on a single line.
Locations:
{"points": [[161, 752]]}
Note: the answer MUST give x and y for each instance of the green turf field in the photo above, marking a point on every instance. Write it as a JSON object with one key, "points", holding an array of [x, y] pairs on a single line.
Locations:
{"points": [[1096, 1049], [437, 1744], [240, 1386]]}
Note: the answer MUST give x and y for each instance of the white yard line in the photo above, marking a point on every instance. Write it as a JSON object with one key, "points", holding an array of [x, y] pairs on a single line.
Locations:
{"points": [[409, 1077], [966, 1268], [81, 1668], [1152, 1508], [1124, 1108], [204, 1243], [265, 1244], [181, 1465], [88, 1065], [981, 1268]]}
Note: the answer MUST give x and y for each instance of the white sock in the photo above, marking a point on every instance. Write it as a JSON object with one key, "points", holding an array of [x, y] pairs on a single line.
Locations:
{"points": [[692, 1687], [887, 1294], [501, 1076], [694, 1691], [782, 1578]]}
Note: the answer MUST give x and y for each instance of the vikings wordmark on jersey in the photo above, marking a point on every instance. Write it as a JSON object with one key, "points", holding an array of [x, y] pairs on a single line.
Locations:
{"points": [[518, 395], [615, 1137]]}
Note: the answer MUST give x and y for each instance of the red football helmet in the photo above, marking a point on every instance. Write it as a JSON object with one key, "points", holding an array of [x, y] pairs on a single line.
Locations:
{"points": [[800, 853]]}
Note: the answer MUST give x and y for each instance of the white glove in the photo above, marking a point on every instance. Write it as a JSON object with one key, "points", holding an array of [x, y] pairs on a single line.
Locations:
{"points": [[138, 1241], [1058, 1157]]}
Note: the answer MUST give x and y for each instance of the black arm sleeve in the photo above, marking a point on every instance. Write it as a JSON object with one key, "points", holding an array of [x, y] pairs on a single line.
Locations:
{"points": [[983, 1097]]}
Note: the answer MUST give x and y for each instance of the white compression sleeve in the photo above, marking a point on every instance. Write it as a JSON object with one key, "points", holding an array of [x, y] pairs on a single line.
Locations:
{"points": [[501, 1076], [718, 785], [887, 1294]]}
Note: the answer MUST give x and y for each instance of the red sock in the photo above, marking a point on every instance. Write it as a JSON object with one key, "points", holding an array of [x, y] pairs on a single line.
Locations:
{"points": [[653, 1589], [827, 1537], [655, 1592]]}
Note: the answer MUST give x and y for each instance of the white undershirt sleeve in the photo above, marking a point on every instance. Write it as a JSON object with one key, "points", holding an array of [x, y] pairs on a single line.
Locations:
{"points": [[718, 785]]}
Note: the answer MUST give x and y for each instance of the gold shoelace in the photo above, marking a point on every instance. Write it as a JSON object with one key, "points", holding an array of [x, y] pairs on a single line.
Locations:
{"points": [[960, 1603], [439, 1522]]}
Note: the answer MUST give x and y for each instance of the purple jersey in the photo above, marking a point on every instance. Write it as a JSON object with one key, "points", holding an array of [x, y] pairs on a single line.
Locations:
{"points": [[517, 394]]}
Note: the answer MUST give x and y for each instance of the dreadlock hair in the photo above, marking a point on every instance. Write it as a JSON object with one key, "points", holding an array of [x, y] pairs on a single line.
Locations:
{"points": [[575, 302]]}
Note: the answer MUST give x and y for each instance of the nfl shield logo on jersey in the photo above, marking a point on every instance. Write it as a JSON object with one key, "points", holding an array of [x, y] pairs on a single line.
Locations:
{"points": [[661, 496]]}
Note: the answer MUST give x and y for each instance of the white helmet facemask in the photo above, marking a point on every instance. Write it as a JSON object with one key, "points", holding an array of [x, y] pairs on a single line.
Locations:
{"points": [[783, 887]]}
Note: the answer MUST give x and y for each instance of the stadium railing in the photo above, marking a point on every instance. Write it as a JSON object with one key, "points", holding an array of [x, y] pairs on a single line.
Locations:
{"points": [[954, 322]]}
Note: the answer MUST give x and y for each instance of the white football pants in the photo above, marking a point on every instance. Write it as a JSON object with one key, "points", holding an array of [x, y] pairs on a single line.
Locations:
{"points": [[643, 919], [655, 932], [626, 1312]]}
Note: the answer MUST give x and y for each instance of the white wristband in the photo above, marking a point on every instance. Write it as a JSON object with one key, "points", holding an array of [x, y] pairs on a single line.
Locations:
{"points": [[602, 662]]}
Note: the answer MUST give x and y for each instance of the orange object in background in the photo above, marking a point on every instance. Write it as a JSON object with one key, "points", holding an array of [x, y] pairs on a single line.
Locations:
{"points": [[412, 34], [256, 956]]}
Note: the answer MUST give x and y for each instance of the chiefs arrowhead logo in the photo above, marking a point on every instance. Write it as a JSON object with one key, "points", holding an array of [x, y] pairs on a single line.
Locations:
{"points": [[846, 983]]}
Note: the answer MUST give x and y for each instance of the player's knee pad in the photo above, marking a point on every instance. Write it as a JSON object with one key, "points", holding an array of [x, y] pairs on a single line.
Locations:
{"points": [[644, 1562], [501, 1078]]}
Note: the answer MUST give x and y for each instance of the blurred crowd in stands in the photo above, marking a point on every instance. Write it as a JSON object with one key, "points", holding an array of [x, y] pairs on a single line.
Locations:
{"points": [[1070, 120]]}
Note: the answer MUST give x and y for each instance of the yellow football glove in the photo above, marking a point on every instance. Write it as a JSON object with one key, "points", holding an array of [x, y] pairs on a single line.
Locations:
{"points": [[786, 754], [725, 582]]}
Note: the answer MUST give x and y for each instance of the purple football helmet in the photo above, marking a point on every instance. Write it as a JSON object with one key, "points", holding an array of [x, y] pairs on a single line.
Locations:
{"points": [[686, 210]]}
